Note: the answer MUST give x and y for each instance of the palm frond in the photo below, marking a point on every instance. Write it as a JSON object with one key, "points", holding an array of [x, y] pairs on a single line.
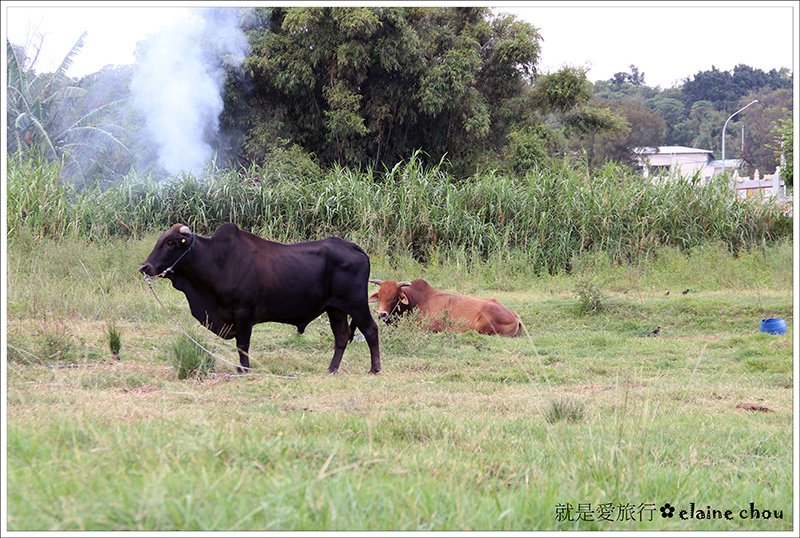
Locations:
{"points": [[42, 111], [72, 160], [61, 72], [16, 73], [43, 136], [88, 131], [67, 92], [94, 114], [66, 63]]}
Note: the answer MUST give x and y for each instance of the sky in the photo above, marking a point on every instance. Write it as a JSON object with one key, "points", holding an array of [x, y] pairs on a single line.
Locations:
{"points": [[667, 41]]}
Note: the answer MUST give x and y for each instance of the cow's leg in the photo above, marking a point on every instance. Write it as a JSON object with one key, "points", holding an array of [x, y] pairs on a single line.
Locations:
{"points": [[369, 329], [243, 346], [341, 336]]}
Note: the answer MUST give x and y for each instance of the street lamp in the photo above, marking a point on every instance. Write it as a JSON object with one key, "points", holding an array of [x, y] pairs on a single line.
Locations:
{"points": [[726, 125]]}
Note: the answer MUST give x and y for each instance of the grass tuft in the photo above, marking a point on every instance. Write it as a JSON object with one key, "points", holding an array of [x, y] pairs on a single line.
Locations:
{"points": [[564, 409], [114, 338], [190, 361]]}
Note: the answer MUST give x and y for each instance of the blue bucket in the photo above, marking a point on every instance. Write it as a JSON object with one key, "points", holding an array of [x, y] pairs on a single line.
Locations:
{"points": [[773, 326]]}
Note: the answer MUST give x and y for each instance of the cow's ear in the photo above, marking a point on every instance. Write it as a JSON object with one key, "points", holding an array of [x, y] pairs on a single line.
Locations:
{"points": [[373, 298], [403, 298]]}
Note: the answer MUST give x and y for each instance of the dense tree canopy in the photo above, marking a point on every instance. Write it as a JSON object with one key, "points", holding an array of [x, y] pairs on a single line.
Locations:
{"points": [[725, 88], [366, 85]]}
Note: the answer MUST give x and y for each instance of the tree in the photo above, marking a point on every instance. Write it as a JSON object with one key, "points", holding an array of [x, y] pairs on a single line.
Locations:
{"points": [[624, 86], [369, 85], [550, 113], [634, 78], [638, 126], [42, 112], [783, 146], [724, 89], [670, 109], [760, 122]]}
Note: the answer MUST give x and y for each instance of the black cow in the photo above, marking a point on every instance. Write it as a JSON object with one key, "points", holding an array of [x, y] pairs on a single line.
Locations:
{"points": [[235, 279]]}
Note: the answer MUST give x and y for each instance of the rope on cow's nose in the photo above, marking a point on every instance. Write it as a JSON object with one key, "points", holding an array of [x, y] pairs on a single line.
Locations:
{"points": [[395, 309], [198, 344]]}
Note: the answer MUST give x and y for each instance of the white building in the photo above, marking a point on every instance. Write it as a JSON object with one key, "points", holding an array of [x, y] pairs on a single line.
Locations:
{"points": [[681, 160], [689, 161]]}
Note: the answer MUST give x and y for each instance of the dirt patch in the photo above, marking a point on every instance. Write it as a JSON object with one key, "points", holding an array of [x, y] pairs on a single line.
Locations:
{"points": [[754, 407], [293, 408]]}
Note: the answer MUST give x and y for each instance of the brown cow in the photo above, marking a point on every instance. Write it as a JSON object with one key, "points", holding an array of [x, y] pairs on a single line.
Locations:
{"points": [[442, 310]]}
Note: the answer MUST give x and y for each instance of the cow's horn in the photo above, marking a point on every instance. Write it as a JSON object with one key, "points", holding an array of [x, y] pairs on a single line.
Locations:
{"points": [[376, 281], [185, 230], [402, 284]]}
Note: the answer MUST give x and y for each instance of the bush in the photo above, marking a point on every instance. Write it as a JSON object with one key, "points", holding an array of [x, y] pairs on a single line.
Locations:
{"points": [[592, 299], [190, 361]]}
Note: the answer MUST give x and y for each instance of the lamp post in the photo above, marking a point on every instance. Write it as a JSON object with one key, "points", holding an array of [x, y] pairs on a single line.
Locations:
{"points": [[725, 127]]}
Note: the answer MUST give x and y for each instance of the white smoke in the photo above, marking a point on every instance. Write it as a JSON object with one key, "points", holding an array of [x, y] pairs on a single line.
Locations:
{"points": [[178, 81]]}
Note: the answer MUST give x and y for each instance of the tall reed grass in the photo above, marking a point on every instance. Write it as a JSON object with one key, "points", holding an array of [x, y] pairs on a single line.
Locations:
{"points": [[551, 215]]}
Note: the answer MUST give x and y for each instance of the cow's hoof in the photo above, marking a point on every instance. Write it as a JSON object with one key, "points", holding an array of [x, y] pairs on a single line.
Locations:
{"points": [[332, 371], [373, 372]]}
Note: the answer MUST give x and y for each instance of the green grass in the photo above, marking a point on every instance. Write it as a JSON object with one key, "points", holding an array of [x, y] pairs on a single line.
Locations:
{"points": [[453, 434], [549, 217]]}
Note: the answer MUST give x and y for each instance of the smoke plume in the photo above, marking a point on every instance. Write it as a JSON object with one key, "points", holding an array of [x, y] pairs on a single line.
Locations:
{"points": [[178, 81]]}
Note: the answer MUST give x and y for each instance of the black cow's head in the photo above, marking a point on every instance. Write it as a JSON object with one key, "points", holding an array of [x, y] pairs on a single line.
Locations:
{"points": [[391, 298], [170, 248]]}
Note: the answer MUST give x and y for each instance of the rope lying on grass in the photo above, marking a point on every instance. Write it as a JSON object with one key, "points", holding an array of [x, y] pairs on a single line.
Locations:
{"points": [[201, 346]]}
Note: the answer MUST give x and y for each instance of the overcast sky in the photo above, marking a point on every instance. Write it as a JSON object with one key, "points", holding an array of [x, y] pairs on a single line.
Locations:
{"points": [[667, 41]]}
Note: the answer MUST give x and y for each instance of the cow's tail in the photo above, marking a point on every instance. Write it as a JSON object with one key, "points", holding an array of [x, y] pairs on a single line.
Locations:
{"points": [[520, 327]]}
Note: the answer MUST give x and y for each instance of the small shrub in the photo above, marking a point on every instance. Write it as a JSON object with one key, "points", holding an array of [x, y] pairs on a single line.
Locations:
{"points": [[565, 409], [17, 349], [189, 360], [56, 344], [592, 299], [114, 337]]}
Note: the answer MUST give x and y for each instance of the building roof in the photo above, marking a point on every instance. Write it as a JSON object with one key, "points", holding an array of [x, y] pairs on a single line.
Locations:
{"points": [[729, 163], [668, 150]]}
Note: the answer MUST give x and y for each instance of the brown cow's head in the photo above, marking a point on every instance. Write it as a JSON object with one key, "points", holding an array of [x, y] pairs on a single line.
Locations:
{"points": [[391, 298], [170, 248]]}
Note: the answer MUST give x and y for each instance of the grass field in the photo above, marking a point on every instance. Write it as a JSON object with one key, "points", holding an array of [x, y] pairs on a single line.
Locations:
{"points": [[458, 432]]}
